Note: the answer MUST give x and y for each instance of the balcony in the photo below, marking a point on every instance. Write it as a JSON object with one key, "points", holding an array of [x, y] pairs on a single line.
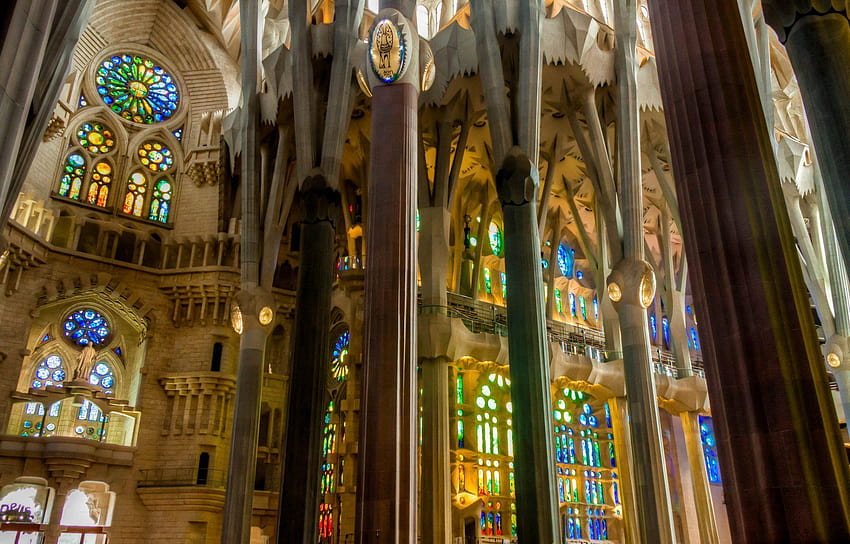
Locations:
{"points": [[182, 488]]}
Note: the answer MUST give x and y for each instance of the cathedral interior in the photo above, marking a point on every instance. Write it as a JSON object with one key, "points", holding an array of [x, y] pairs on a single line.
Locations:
{"points": [[424, 271]]}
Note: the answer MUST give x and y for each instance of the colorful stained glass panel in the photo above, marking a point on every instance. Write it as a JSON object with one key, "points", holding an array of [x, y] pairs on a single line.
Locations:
{"points": [[137, 89], [96, 138], [156, 156], [72, 176]]}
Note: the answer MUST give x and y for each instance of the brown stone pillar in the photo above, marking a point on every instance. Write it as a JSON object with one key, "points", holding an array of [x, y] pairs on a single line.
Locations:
{"points": [[299, 488], [785, 476], [387, 467]]}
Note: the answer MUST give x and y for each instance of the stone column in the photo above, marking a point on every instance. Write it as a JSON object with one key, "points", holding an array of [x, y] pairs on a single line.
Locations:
{"points": [[299, 488], [536, 493], [387, 464], [817, 38], [785, 475], [245, 432], [623, 453], [706, 521], [631, 287], [435, 493]]}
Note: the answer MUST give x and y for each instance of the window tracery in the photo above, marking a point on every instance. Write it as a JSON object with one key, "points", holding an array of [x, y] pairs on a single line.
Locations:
{"points": [[138, 90]]}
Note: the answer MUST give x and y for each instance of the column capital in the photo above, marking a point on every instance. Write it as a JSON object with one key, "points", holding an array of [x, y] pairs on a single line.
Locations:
{"points": [[632, 281], [517, 179], [321, 202], [782, 15]]}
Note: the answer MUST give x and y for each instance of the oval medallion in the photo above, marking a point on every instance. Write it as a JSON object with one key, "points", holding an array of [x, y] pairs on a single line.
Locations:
{"points": [[388, 52]]}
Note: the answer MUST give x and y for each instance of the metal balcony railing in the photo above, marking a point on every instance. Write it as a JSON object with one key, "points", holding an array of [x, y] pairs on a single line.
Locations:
{"points": [[182, 477]]}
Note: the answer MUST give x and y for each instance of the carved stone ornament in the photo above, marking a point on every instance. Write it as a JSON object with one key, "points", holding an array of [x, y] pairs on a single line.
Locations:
{"points": [[632, 282], [782, 14], [517, 179], [388, 50]]}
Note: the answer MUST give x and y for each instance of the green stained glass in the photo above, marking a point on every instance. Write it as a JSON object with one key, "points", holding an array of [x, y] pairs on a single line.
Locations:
{"points": [[459, 386], [487, 285], [137, 89], [496, 241], [72, 176]]}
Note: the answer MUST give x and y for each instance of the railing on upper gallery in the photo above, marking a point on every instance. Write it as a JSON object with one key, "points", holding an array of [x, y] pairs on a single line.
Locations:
{"points": [[183, 477]]}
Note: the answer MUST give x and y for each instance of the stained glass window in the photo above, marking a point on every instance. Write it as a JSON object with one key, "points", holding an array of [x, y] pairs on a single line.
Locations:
{"points": [[653, 327], [137, 89], [178, 134], [49, 372], [488, 286], [85, 327], [504, 280], [156, 156], [339, 362], [72, 177], [694, 339], [573, 310], [496, 241], [160, 201], [665, 331], [103, 377], [95, 138], [566, 260], [709, 449], [101, 178], [559, 304], [326, 527], [583, 306], [135, 197]]}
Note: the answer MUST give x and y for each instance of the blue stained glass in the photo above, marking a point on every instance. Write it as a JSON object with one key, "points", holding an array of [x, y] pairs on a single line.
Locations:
{"points": [[86, 327], [653, 327], [709, 448], [665, 330], [566, 260], [694, 339], [42, 373], [339, 363]]}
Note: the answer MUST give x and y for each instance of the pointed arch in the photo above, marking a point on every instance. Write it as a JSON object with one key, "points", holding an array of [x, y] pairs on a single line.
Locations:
{"points": [[134, 197]]}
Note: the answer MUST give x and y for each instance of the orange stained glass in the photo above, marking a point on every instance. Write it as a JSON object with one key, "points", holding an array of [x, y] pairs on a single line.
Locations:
{"points": [[135, 198]]}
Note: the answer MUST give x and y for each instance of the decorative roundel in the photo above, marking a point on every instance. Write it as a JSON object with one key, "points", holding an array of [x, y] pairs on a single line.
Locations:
{"points": [[496, 241], [137, 89], [96, 138], [84, 327], [156, 156]]}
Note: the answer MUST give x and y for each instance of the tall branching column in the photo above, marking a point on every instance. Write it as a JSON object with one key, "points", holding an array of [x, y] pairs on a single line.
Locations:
{"points": [[770, 403], [631, 288], [299, 498], [537, 507], [817, 38], [387, 468], [251, 301], [515, 150]]}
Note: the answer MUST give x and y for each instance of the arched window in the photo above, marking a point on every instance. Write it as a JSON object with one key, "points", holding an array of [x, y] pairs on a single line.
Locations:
{"points": [[215, 363], [134, 200], [585, 463], [497, 244], [161, 201], [136, 90], [709, 449], [492, 417], [50, 372], [74, 171], [422, 23], [203, 468], [87, 171], [566, 260]]}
